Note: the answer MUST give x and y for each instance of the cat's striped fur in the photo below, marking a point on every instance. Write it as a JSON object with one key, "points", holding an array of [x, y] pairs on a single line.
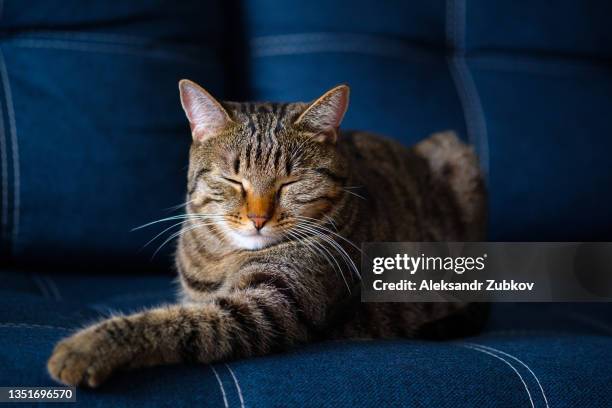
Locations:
{"points": [[257, 167]]}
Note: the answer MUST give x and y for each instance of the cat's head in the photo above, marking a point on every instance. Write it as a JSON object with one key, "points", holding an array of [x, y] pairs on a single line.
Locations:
{"points": [[261, 173]]}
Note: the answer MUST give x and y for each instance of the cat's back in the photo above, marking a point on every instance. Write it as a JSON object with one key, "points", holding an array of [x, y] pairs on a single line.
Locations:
{"points": [[434, 189]]}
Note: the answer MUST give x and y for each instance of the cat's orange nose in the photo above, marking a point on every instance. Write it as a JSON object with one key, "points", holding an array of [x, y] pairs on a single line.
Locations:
{"points": [[258, 220], [259, 208]]}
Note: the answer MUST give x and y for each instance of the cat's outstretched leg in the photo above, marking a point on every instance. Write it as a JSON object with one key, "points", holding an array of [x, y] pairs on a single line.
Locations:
{"points": [[256, 320]]}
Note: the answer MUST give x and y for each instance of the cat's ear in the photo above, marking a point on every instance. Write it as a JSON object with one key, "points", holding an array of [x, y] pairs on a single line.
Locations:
{"points": [[205, 114], [324, 115]]}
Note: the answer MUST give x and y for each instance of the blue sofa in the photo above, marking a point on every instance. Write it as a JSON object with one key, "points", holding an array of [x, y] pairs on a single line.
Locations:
{"points": [[93, 143]]}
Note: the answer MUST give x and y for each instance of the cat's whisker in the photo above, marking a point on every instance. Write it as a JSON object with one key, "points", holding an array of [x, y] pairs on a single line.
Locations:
{"points": [[317, 246], [178, 206], [339, 271], [315, 220], [345, 257], [180, 232], [327, 230], [177, 217], [221, 237], [163, 232], [331, 221], [299, 239], [353, 193], [185, 219], [307, 220], [334, 244], [314, 246]]}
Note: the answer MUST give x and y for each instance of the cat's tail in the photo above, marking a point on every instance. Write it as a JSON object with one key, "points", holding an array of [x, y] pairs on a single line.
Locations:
{"points": [[454, 169]]}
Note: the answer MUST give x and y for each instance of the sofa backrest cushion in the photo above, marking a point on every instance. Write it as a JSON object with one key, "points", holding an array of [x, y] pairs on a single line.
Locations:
{"points": [[528, 85], [93, 138]]}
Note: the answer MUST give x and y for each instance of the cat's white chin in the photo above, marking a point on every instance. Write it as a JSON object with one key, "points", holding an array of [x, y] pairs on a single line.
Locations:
{"points": [[251, 242]]}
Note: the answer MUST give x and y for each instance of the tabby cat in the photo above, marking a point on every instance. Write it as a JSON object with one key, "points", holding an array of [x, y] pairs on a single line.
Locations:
{"points": [[278, 204]]}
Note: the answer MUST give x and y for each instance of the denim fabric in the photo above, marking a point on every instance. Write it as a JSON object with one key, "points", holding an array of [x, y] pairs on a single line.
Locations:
{"points": [[559, 354], [94, 141]]}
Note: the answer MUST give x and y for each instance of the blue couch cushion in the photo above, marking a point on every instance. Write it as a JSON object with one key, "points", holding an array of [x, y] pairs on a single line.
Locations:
{"points": [[549, 354], [545, 91], [92, 135], [529, 93]]}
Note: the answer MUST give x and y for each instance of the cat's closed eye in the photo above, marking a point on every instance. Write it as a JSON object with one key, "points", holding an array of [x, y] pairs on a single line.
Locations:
{"points": [[287, 184], [282, 187], [233, 181]]}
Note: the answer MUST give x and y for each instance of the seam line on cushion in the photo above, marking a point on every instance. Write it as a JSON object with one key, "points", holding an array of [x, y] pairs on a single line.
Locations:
{"points": [[220, 385], [493, 349], [4, 234], [509, 365], [542, 66], [464, 82], [86, 37], [4, 217], [4, 229], [32, 326], [319, 42], [101, 48], [127, 41], [13, 129], [237, 386], [41, 286], [53, 288]]}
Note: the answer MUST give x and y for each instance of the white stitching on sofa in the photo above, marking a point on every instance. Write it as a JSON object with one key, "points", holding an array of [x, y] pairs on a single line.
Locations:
{"points": [[13, 128], [237, 386], [32, 326], [220, 385], [507, 363], [464, 82], [520, 362]]}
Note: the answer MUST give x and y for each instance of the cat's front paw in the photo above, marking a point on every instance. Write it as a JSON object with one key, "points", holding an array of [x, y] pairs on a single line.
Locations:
{"points": [[82, 359]]}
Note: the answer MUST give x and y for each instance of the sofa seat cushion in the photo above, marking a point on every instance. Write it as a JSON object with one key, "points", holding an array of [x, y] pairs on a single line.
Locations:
{"points": [[530, 355]]}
